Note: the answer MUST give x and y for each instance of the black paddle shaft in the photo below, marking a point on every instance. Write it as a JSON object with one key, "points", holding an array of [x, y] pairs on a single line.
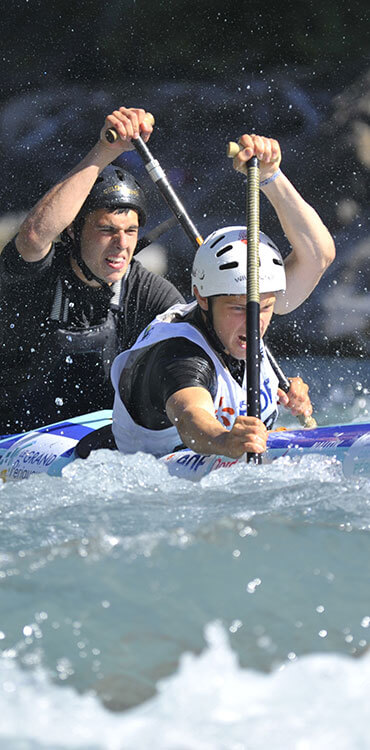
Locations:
{"points": [[253, 304], [284, 383], [253, 297], [157, 174]]}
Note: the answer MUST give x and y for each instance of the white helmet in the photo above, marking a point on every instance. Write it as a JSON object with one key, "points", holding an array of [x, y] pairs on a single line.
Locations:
{"points": [[220, 264]]}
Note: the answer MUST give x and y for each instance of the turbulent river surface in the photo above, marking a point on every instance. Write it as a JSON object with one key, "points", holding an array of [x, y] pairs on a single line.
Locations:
{"points": [[139, 610]]}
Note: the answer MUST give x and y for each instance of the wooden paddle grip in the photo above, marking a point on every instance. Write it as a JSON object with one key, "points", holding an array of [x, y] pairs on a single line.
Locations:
{"points": [[112, 136], [309, 423], [232, 149]]}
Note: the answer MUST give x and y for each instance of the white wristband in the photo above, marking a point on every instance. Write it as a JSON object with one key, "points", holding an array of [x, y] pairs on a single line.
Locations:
{"points": [[270, 179]]}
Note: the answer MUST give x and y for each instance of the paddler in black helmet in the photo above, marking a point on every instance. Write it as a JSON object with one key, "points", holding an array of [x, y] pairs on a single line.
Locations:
{"points": [[68, 308], [114, 192]]}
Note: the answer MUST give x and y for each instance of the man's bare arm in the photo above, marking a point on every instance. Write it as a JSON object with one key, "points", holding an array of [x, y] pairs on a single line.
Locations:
{"points": [[60, 205], [313, 247], [192, 412]]}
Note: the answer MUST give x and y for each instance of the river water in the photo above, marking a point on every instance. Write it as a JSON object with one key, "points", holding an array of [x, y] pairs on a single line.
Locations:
{"points": [[139, 610]]}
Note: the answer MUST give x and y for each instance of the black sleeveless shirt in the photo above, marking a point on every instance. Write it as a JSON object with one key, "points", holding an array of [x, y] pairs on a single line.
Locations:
{"points": [[59, 336]]}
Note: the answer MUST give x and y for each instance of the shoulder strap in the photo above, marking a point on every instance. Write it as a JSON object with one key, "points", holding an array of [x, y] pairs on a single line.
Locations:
{"points": [[117, 289], [60, 304]]}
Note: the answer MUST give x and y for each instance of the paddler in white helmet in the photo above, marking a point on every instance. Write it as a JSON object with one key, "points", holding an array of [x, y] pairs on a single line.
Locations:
{"points": [[183, 382]]}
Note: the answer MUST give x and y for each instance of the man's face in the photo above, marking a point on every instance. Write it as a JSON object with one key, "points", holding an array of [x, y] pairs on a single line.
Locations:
{"points": [[229, 319], [108, 241]]}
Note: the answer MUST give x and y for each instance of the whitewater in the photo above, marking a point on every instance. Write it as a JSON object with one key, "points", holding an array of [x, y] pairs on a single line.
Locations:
{"points": [[140, 610]]}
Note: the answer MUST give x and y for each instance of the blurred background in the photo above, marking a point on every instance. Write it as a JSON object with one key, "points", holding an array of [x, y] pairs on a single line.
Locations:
{"points": [[209, 71]]}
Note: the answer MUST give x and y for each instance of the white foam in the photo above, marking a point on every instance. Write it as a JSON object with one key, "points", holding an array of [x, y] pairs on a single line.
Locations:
{"points": [[317, 702]]}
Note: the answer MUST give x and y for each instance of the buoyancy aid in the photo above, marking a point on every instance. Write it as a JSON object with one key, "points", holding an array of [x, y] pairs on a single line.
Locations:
{"points": [[229, 401], [69, 374]]}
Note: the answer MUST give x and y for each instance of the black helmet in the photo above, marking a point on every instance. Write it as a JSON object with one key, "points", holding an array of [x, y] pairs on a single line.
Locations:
{"points": [[115, 188]]}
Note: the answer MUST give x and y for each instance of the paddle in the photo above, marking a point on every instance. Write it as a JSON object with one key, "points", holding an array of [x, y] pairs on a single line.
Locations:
{"points": [[253, 294], [157, 174]]}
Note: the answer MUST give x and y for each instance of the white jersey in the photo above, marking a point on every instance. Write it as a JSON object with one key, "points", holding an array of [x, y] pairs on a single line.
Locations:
{"points": [[229, 401]]}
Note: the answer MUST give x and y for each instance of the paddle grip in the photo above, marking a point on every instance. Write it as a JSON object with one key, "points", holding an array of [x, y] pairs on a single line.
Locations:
{"points": [[232, 149], [308, 422], [112, 136]]}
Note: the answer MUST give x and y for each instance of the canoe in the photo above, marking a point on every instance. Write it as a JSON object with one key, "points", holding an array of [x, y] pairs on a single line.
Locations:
{"points": [[49, 449]]}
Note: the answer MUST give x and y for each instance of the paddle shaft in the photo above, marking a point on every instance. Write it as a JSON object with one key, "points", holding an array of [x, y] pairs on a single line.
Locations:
{"points": [[157, 174], [253, 297]]}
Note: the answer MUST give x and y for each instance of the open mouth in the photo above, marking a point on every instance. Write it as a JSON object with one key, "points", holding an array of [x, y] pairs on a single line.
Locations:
{"points": [[242, 341], [116, 262]]}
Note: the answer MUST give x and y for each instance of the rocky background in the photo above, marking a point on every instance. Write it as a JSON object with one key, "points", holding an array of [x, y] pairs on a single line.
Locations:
{"points": [[208, 72]]}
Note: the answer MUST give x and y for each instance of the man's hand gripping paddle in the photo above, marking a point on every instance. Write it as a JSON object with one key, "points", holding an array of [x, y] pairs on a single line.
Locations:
{"points": [[308, 422]]}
